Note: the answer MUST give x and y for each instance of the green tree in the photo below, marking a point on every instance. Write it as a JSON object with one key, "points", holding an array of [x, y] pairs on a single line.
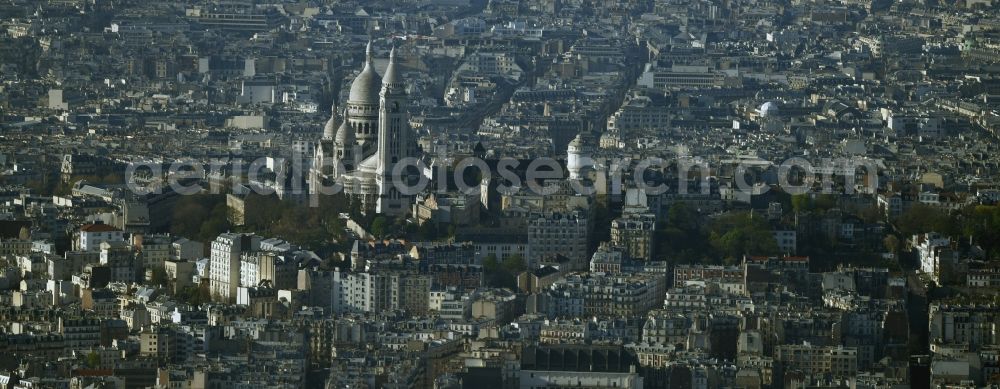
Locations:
{"points": [[159, 277], [682, 237], [682, 217], [513, 264], [316, 226], [981, 223], [217, 223], [301, 226], [891, 243], [801, 203], [825, 202], [738, 234], [264, 211], [490, 263], [92, 360], [201, 217], [872, 214], [921, 218], [379, 226], [428, 230], [670, 240], [502, 274], [335, 227]]}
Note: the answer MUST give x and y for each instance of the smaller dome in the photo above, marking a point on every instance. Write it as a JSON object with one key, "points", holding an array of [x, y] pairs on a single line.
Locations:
{"points": [[768, 109], [577, 143], [345, 135], [329, 130]]}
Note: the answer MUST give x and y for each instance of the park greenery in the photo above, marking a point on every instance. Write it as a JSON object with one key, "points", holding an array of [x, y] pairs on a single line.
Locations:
{"points": [[687, 236], [503, 274]]}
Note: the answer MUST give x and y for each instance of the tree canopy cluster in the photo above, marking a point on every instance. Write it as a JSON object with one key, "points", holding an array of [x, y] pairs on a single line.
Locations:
{"points": [[503, 274], [737, 234], [200, 217], [979, 224], [687, 235], [313, 227]]}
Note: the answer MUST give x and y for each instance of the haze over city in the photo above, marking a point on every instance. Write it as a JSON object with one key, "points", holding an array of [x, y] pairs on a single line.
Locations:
{"points": [[512, 194]]}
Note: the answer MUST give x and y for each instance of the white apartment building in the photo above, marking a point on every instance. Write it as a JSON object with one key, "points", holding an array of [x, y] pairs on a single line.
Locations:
{"points": [[280, 269], [930, 247], [224, 265], [378, 292], [92, 235]]}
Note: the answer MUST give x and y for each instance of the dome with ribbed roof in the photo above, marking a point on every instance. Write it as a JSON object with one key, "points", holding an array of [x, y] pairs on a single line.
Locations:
{"points": [[768, 109], [345, 135], [331, 125], [365, 88], [576, 154], [577, 143]]}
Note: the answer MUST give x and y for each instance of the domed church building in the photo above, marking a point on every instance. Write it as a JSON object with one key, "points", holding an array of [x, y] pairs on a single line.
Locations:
{"points": [[361, 147]]}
